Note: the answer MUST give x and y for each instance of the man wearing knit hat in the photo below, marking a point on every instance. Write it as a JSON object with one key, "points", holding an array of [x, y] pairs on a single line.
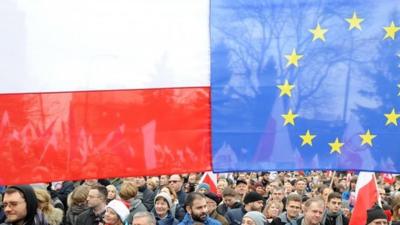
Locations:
{"points": [[376, 216], [212, 201], [20, 206], [116, 213], [252, 202], [254, 218]]}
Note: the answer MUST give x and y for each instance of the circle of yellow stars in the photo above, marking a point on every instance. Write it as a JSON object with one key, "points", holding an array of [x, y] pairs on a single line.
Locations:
{"points": [[286, 88]]}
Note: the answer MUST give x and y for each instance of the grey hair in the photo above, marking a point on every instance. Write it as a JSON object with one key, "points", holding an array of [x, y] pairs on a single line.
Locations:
{"points": [[151, 220]]}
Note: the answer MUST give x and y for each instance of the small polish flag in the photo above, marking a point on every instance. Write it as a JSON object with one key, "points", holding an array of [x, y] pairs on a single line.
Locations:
{"points": [[366, 197], [210, 178]]}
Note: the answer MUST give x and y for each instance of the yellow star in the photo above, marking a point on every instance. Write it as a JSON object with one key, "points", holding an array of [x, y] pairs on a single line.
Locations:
{"points": [[391, 31], [318, 33], [335, 146], [289, 118], [354, 22], [392, 117], [286, 89], [293, 58], [307, 138], [367, 138]]}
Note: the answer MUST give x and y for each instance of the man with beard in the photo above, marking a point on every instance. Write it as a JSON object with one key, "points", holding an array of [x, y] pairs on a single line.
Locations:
{"points": [[252, 202], [313, 211], [20, 206], [333, 215], [196, 208], [293, 209]]}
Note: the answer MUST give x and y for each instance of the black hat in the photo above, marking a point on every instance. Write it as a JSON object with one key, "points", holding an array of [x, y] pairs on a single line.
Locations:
{"points": [[213, 197], [241, 181], [252, 197], [375, 213]]}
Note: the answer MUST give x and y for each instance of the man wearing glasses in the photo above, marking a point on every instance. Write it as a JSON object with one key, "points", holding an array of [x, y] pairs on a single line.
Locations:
{"points": [[96, 201], [20, 206], [176, 183]]}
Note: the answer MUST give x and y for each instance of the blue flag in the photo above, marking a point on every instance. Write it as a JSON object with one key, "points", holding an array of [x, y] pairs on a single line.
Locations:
{"points": [[305, 85]]}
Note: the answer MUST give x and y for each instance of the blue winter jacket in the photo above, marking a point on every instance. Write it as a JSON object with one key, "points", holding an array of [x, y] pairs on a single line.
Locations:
{"points": [[187, 220]]}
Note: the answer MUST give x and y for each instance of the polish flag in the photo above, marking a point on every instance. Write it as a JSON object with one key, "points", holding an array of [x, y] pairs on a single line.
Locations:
{"points": [[388, 178], [101, 88], [211, 179], [366, 197]]}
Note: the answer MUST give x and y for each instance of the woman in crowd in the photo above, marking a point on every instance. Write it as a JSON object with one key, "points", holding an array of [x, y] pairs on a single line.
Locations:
{"points": [[76, 204], [128, 193], [396, 214], [254, 218], [111, 193], [176, 209], [116, 213], [162, 212], [54, 216], [272, 210]]}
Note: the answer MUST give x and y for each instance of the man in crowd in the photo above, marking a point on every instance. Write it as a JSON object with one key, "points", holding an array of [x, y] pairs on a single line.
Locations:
{"points": [[252, 202], [176, 183], [20, 206], [212, 201], [230, 201], [144, 193], [293, 209], [333, 215], [241, 188], [376, 216], [313, 212], [144, 218], [196, 208], [96, 201], [278, 194], [300, 186]]}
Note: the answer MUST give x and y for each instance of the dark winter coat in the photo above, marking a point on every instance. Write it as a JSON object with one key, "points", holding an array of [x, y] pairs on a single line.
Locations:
{"points": [[235, 216]]}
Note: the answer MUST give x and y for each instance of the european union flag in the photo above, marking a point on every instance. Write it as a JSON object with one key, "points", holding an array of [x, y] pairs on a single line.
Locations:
{"points": [[302, 84]]}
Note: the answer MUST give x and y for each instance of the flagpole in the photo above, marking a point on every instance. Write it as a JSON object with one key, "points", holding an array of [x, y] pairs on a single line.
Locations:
{"points": [[379, 196], [333, 176]]}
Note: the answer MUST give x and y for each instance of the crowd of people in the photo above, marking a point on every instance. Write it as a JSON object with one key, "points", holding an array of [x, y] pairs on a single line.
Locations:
{"points": [[284, 198]]}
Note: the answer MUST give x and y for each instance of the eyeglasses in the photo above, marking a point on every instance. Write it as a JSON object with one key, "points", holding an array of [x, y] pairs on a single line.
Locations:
{"points": [[173, 181], [91, 196], [11, 204]]}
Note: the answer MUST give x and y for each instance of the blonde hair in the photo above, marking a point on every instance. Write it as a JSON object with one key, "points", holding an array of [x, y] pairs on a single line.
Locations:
{"points": [[270, 204], [78, 196], [174, 197], [396, 215], [43, 196], [128, 191]]}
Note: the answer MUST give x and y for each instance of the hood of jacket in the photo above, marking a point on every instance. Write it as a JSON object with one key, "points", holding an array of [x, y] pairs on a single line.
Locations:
{"points": [[31, 202], [78, 209]]}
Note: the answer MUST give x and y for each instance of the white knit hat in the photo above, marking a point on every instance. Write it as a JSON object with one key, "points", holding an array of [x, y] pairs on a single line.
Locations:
{"points": [[257, 217], [166, 197], [119, 208]]}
